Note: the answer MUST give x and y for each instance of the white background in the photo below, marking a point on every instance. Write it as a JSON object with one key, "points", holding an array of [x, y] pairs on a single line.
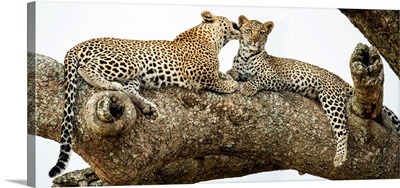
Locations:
{"points": [[323, 37]]}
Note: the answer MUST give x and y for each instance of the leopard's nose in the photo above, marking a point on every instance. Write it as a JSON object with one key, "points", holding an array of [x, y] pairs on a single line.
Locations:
{"points": [[256, 38]]}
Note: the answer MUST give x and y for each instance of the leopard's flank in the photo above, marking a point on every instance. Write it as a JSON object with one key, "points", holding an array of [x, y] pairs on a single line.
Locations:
{"points": [[189, 61], [262, 71]]}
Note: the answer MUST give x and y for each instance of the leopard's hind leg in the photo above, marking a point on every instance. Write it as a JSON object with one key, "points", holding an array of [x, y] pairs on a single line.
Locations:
{"points": [[129, 87], [95, 78], [333, 103]]}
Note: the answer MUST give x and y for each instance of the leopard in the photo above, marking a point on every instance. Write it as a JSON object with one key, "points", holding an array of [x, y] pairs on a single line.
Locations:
{"points": [[189, 61], [258, 70]]}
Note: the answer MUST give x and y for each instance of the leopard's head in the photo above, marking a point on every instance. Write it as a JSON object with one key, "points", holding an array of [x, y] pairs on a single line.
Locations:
{"points": [[226, 30], [254, 34]]}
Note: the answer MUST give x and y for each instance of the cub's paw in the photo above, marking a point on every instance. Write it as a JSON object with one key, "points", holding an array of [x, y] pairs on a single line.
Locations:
{"points": [[248, 89], [234, 74]]}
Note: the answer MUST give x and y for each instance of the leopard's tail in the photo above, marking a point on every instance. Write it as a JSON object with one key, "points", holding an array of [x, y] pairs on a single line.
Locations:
{"points": [[393, 117], [70, 85]]}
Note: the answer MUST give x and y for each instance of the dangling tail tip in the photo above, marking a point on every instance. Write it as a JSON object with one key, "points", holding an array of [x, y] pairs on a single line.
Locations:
{"points": [[55, 171]]}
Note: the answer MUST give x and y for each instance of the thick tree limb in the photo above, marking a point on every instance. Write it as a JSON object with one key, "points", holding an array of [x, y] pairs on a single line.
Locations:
{"points": [[382, 29], [204, 135]]}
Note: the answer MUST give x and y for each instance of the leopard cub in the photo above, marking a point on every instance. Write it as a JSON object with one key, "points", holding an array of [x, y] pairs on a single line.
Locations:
{"points": [[262, 71]]}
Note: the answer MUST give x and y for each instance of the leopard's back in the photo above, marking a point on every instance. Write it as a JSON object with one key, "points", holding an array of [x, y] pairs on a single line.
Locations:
{"points": [[303, 78]]}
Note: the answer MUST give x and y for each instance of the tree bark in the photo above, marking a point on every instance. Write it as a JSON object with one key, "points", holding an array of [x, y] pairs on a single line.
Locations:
{"points": [[202, 135], [367, 74], [79, 178], [381, 28]]}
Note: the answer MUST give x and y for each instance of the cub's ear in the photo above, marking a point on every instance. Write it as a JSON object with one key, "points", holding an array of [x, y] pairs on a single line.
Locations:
{"points": [[207, 16], [242, 19], [269, 26]]}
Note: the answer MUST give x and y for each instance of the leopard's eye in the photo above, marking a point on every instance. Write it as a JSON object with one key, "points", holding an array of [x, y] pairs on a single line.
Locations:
{"points": [[262, 31], [248, 30]]}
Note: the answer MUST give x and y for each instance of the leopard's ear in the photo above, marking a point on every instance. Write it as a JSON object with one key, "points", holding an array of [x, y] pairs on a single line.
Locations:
{"points": [[242, 19], [269, 26], [207, 16]]}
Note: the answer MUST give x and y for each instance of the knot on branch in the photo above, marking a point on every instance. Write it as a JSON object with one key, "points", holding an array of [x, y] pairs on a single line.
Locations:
{"points": [[109, 113], [367, 74]]}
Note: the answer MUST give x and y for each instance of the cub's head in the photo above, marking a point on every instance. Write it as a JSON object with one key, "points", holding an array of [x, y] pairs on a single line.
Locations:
{"points": [[224, 29], [254, 33]]}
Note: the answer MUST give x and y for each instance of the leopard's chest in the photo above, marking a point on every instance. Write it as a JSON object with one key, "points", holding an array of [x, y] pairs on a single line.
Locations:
{"points": [[248, 69]]}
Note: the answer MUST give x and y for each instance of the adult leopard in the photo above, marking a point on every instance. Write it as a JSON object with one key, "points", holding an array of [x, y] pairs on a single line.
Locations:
{"points": [[263, 71], [189, 61]]}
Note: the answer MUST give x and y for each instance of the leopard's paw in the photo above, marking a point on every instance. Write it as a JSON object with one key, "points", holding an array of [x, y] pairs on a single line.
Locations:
{"points": [[234, 74], [248, 89]]}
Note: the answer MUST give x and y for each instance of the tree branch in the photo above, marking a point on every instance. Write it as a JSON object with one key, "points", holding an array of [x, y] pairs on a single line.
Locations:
{"points": [[204, 135], [381, 28], [367, 74], [79, 178]]}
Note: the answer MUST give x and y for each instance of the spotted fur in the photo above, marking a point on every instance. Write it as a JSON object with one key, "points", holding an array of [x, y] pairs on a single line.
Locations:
{"points": [[189, 61], [259, 70]]}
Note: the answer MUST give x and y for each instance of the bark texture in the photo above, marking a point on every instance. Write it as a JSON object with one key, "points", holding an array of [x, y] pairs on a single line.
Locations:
{"points": [[202, 135], [367, 74], [381, 28], [79, 178]]}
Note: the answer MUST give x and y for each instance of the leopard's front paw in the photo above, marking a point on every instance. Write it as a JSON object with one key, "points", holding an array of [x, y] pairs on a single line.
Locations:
{"points": [[224, 76], [234, 74], [230, 86], [248, 89]]}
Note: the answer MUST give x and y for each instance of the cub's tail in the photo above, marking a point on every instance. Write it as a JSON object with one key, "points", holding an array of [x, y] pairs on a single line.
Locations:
{"points": [[70, 85]]}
